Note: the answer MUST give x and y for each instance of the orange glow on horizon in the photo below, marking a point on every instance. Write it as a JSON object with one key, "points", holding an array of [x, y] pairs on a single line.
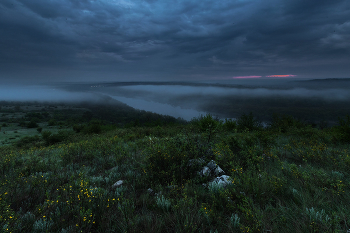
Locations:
{"points": [[281, 76]]}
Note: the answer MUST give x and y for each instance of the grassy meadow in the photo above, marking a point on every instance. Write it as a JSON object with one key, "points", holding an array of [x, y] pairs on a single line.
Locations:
{"points": [[287, 177]]}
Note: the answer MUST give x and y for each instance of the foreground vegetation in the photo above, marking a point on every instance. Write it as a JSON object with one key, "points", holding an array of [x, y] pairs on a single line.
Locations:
{"points": [[288, 177]]}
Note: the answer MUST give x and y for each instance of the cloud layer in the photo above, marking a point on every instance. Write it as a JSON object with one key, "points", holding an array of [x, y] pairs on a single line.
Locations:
{"points": [[160, 40]]}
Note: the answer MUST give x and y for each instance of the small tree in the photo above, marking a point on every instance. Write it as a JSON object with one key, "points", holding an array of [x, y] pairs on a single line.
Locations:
{"points": [[52, 122], [344, 128], [248, 122], [32, 124], [207, 124]]}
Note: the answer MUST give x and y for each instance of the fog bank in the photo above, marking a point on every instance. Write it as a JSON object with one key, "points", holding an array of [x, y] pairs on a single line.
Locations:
{"points": [[160, 108], [167, 91], [41, 94]]}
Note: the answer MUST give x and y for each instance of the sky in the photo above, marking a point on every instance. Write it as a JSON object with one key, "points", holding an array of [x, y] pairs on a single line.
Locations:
{"points": [[179, 40]]}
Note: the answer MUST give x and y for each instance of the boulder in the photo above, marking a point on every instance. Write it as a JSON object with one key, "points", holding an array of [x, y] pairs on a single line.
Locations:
{"points": [[218, 171], [222, 181], [205, 171], [150, 191], [212, 165], [211, 169], [117, 184]]}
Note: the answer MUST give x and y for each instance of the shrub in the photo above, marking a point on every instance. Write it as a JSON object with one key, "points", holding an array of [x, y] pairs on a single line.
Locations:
{"points": [[94, 126], [206, 122], [284, 123], [77, 128], [46, 134], [168, 160], [32, 124], [22, 123], [230, 124], [27, 140], [51, 138], [52, 122], [248, 122], [344, 128]]}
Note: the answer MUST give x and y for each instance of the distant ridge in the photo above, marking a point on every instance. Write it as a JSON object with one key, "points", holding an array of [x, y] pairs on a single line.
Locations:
{"points": [[328, 79], [323, 80]]}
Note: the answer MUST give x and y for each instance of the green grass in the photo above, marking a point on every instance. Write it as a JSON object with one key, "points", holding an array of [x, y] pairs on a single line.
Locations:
{"points": [[292, 181]]}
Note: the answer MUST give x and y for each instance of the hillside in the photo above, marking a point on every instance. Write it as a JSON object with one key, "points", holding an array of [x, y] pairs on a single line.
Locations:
{"points": [[289, 177]]}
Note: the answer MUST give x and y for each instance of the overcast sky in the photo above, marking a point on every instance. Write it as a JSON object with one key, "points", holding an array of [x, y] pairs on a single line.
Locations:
{"points": [[118, 40]]}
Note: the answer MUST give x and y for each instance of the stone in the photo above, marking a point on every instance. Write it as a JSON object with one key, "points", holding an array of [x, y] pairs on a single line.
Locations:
{"points": [[211, 168], [150, 191], [205, 171], [218, 171], [117, 184], [223, 180], [212, 165]]}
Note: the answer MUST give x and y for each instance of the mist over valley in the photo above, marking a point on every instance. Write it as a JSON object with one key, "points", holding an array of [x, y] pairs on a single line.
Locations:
{"points": [[308, 100]]}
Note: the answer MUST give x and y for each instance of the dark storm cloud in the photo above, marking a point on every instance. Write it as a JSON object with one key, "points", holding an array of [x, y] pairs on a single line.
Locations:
{"points": [[155, 39]]}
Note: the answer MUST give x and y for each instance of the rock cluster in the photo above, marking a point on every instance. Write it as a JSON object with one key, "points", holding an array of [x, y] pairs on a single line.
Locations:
{"points": [[211, 169]]}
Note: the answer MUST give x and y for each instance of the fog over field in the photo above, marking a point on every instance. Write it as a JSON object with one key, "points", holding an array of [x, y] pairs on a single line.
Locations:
{"points": [[305, 99], [40, 93], [167, 91], [299, 99]]}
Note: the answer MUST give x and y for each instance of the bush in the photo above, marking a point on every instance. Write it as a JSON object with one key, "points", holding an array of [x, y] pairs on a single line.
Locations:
{"points": [[51, 138], [28, 140], [52, 122], [22, 123], [230, 124], [168, 160], [206, 122], [284, 123], [94, 126], [32, 124], [344, 128], [248, 122], [77, 128]]}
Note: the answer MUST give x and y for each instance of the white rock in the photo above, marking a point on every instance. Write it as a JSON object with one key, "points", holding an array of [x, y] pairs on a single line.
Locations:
{"points": [[218, 171], [117, 184], [222, 180], [150, 191], [212, 165], [205, 171]]}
